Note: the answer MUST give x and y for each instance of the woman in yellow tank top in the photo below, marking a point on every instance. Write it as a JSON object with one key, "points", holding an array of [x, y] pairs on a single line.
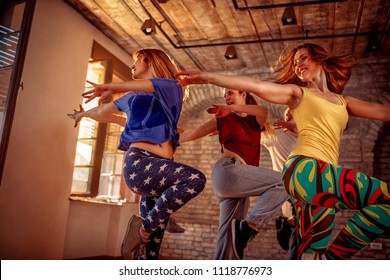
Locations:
{"points": [[310, 82]]}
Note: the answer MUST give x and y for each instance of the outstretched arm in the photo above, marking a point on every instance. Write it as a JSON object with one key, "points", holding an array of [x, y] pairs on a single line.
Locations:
{"points": [[275, 93], [199, 132], [261, 113], [105, 113], [368, 110], [104, 91]]}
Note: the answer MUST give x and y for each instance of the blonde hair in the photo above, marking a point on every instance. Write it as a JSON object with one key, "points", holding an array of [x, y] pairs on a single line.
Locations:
{"points": [[268, 133], [161, 64]]}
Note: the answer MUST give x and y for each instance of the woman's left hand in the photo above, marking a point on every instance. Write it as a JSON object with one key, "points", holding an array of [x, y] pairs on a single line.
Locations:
{"points": [[219, 111], [77, 115], [286, 126], [278, 124]]}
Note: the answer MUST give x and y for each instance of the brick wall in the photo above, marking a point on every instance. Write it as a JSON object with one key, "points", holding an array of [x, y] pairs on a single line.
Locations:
{"points": [[365, 147], [382, 154]]}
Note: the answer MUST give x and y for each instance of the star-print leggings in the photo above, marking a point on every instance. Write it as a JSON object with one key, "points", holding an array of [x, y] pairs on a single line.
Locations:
{"points": [[165, 186], [319, 188]]}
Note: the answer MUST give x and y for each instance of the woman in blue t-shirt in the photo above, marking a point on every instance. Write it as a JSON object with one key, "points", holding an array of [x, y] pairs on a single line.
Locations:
{"points": [[152, 104]]}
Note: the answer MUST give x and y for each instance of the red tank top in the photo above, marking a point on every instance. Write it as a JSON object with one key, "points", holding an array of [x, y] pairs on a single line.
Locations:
{"points": [[241, 135]]}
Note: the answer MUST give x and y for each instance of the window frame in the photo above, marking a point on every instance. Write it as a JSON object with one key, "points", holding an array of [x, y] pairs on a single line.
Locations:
{"points": [[15, 84], [113, 66]]}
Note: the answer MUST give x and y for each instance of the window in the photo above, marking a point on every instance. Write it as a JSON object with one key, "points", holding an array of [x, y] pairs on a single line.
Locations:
{"points": [[111, 181], [15, 23], [97, 173]]}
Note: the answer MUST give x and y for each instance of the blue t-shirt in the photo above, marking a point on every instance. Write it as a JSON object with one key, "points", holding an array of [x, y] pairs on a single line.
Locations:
{"points": [[151, 116]]}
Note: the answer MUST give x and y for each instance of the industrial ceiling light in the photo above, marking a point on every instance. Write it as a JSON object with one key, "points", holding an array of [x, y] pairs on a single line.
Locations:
{"points": [[148, 27], [231, 53], [288, 17], [373, 43]]}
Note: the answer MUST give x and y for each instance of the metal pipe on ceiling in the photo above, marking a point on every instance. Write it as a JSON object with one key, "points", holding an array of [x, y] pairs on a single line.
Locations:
{"points": [[281, 5], [283, 39], [306, 37]]}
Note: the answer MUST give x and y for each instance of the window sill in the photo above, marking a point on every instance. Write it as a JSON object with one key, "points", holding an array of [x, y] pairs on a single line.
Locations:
{"points": [[97, 200]]}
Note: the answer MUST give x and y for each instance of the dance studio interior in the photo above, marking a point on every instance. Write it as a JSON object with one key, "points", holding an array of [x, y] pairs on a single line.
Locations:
{"points": [[62, 194]]}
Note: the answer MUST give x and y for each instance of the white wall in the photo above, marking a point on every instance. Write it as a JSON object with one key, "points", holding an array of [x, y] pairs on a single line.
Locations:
{"points": [[37, 221]]}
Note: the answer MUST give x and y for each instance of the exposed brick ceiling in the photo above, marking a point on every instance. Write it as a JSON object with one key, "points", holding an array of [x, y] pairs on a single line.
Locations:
{"points": [[196, 33]]}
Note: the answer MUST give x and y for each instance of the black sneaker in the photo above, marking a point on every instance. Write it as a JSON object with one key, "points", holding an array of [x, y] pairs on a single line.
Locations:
{"points": [[283, 232], [242, 233]]}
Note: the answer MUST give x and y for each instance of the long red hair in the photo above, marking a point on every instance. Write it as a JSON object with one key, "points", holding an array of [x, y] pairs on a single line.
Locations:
{"points": [[338, 69]]}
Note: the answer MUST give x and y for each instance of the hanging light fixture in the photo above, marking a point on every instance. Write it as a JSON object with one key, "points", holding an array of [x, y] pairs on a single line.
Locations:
{"points": [[148, 27], [373, 43], [288, 17], [231, 53]]}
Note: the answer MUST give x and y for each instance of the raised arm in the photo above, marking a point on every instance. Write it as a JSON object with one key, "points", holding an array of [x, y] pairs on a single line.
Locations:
{"points": [[104, 91], [199, 132], [368, 110], [275, 93]]}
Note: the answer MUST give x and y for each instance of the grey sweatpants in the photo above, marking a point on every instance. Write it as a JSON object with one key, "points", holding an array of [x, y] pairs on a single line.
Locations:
{"points": [[234, 183]]}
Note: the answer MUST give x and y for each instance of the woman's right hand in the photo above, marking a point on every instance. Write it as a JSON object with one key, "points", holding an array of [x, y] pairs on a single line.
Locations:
{"points": [[103, 91], [77, 115]]}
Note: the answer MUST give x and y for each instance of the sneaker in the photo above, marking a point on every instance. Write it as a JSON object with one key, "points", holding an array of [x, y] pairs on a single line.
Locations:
{"points": [[242, 233], [140, 253], [283, 232], [132, 241], [308, 256], [173, 227], [313, 256]]}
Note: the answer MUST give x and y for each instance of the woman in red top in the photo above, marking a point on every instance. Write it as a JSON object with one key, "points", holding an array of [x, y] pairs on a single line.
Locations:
{"points": [[237, 176]]}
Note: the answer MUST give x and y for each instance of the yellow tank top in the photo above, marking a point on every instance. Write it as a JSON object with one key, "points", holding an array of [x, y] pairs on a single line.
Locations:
{"points": [[320, 126]]}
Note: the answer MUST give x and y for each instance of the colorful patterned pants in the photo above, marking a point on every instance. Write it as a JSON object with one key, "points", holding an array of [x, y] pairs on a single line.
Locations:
{"points": [[165, 186], [319, 188]]}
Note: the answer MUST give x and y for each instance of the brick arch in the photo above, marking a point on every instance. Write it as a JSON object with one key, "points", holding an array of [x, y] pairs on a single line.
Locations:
{"points": [[201, 97]]}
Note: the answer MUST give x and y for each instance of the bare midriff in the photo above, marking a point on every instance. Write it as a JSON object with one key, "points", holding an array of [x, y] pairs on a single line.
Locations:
{"points": [[164, 150], [229, 154]]}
